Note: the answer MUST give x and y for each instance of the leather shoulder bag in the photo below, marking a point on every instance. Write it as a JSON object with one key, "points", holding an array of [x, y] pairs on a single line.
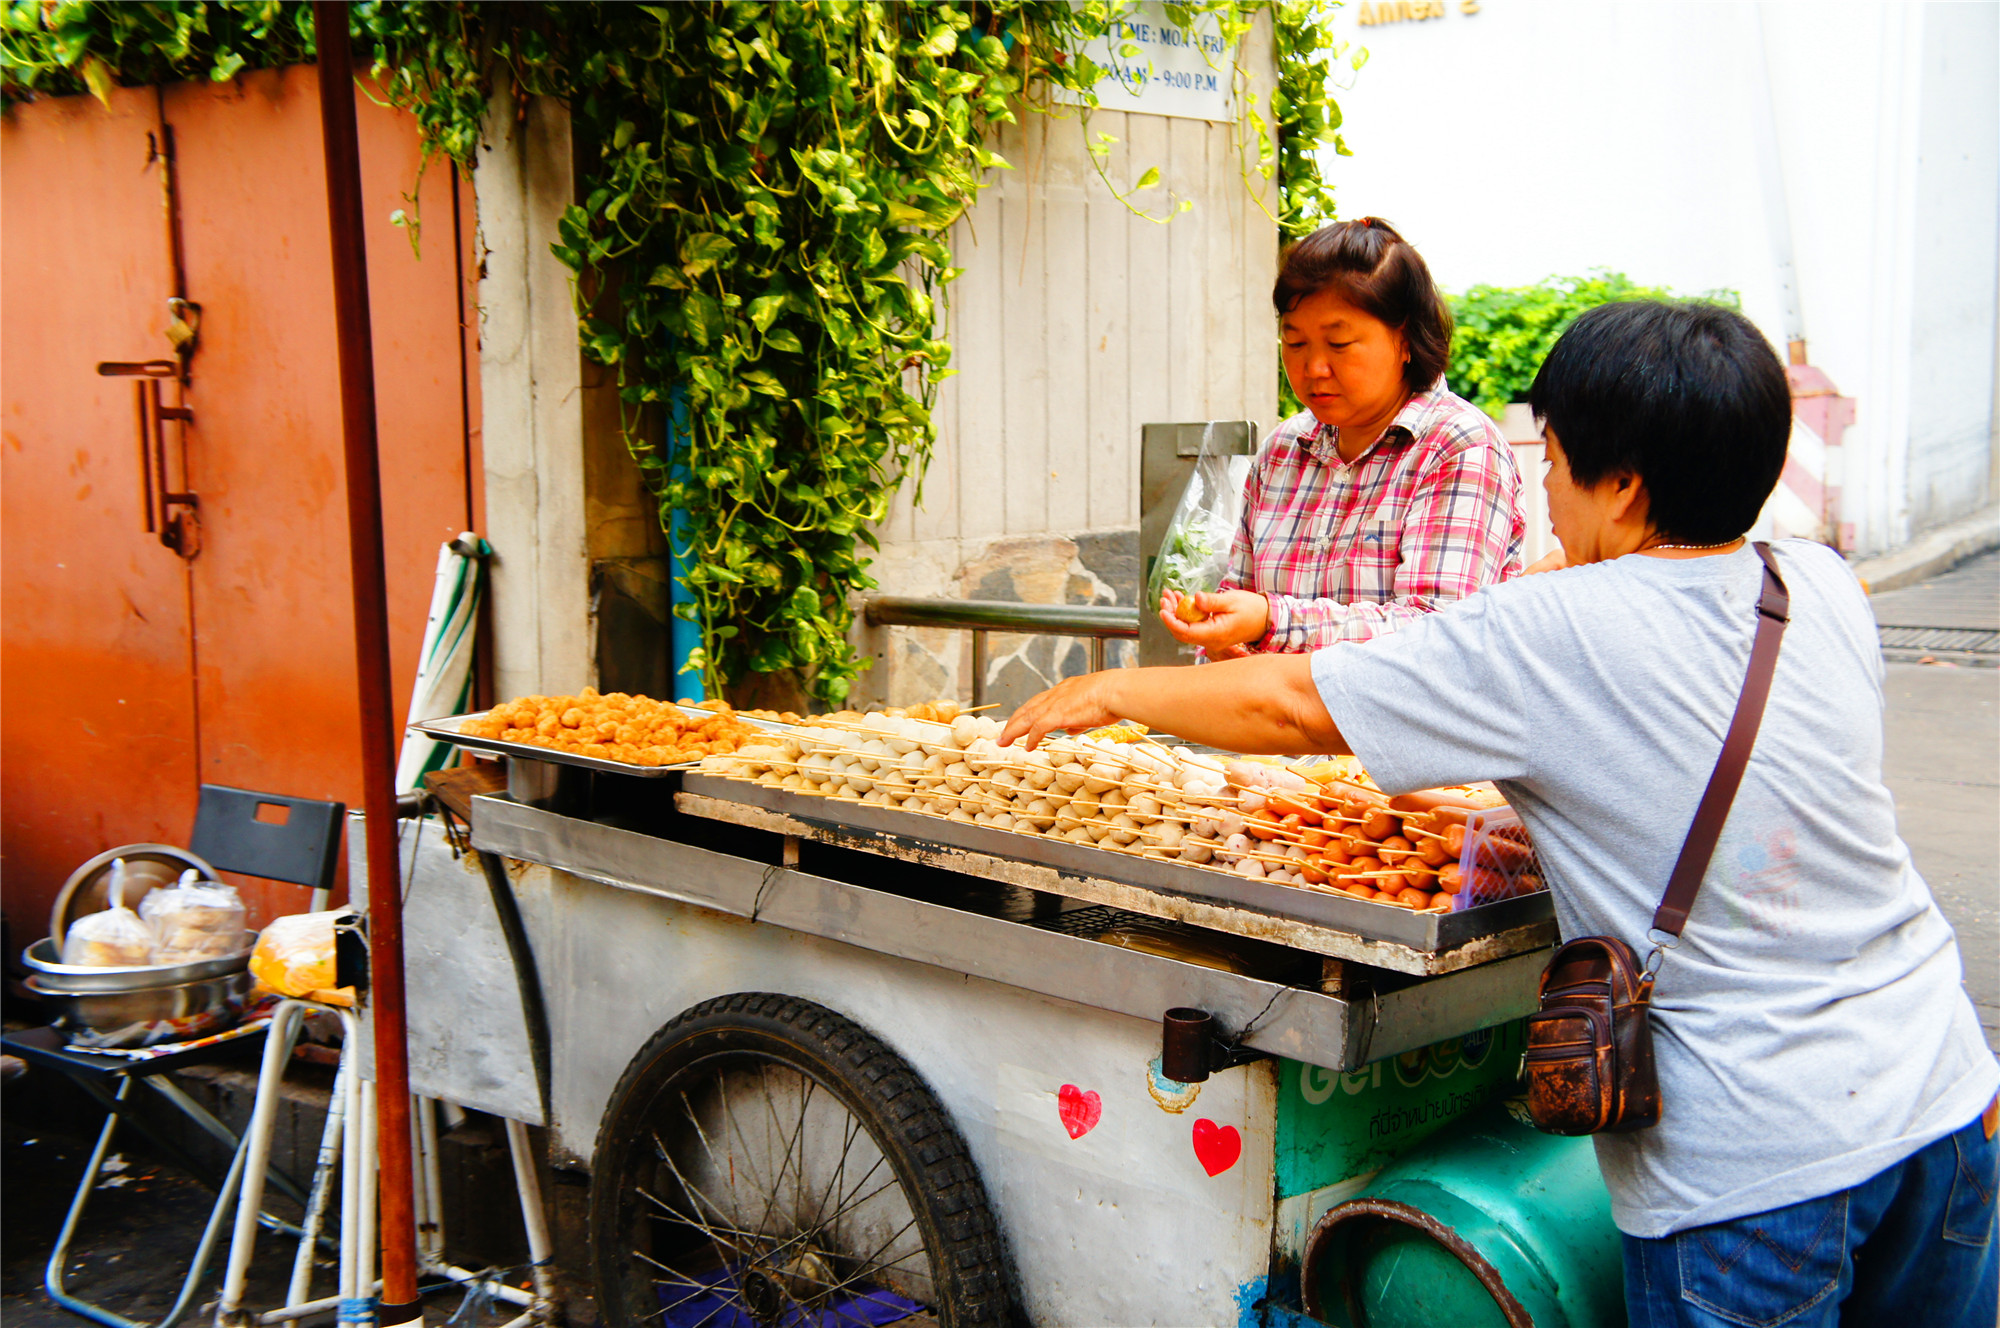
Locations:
{"points": [[1589, 1060]]}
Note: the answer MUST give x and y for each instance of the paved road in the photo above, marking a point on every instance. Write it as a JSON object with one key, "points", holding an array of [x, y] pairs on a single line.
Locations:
{"points": [[1942, 758], [1953, 617], [1942, 761]]}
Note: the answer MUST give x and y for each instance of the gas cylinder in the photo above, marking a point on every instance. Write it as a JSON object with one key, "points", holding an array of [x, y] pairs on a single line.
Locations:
{"points": [[1497, 1226]]}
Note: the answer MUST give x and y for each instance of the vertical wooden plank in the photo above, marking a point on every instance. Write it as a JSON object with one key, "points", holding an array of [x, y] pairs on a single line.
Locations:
{"points": [[1222, 187], [937, 516], [1150, 307], [981, 356], [1259, 263], [1023, 252], [1066, 313], [1113, 430], [1187, 257]]}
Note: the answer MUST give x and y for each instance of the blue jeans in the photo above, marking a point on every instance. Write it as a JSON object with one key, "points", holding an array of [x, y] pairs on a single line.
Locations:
{"points": [[1913, 1246]]}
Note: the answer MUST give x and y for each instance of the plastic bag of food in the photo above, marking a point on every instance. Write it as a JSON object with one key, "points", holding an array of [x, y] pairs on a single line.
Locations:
{"points": [[194, 920], [1194, 555], [295, 956], [114, 938]]}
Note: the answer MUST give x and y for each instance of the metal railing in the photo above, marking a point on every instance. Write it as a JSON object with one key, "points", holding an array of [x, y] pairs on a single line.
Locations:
{"points": [[1097, 623]]}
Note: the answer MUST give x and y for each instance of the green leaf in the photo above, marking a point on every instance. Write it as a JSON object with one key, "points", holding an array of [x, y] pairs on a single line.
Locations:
{"points": [[764, 309], [702, 251], [1149, 180], [97, 75]]}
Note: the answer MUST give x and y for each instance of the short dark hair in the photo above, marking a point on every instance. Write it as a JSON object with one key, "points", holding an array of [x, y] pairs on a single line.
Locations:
{"points": [[1686, 395], [1377, 270]]}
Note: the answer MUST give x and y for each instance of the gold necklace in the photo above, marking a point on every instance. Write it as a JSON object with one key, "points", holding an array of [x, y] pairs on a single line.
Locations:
{"points": [[1722, 545]]}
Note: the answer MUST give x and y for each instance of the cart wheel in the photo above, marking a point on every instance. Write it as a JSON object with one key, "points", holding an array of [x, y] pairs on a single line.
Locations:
{"points": [[767, 1161]]}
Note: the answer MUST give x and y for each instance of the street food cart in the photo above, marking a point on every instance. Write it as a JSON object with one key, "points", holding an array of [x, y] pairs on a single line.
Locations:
{"points": [[826, 1057]]}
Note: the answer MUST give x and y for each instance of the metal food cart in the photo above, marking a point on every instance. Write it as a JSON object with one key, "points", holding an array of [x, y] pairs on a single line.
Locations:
{"points": [[816, 1053]]}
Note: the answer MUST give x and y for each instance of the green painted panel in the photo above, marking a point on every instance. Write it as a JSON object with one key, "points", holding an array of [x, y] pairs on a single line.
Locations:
{"points": [[1333, 1126]]}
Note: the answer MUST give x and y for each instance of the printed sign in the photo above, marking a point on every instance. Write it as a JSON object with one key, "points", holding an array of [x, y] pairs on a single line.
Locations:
{"points": [[1160, 68], [1333, 1126]]}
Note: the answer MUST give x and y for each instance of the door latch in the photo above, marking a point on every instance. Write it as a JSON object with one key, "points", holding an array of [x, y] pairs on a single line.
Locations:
{"points": [[172, 514]]}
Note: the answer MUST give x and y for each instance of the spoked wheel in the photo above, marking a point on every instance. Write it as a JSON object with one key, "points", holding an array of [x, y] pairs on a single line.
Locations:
{"points": [[765, 1161]]}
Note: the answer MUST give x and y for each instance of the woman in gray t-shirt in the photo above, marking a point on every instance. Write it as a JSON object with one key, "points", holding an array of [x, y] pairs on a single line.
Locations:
{"points": [[1826, 1151]]}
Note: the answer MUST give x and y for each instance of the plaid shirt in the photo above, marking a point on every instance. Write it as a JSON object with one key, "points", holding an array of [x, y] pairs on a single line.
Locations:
{"points": [[1346, 551]]}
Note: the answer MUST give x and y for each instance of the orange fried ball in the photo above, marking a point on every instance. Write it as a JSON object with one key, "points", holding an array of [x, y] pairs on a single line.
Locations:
{"points": [[636, 730]]}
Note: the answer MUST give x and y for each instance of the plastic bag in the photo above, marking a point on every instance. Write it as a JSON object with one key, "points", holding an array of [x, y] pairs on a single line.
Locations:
{"points": [[194, 920], [295, 957], [114, 938], [1194, 555]]}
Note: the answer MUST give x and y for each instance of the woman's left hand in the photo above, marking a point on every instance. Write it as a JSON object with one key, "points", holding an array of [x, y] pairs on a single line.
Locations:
{"points": [[1232, 618], [1075, 704]]}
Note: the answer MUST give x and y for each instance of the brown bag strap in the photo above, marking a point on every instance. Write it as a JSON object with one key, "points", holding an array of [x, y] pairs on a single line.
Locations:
{"points": [[1774, 607]]}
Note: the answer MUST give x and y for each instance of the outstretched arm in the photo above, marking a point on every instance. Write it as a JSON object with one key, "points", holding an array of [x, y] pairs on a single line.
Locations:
{"points": [[1266, 703]]}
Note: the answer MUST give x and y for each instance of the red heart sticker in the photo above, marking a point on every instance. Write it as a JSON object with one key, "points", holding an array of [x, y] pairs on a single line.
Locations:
{"points": [[1216, 1147], [1080, 1110]]}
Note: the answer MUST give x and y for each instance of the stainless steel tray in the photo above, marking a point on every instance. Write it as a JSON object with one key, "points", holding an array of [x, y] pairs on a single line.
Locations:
{"points": [[447, 730], [1527, 922]]}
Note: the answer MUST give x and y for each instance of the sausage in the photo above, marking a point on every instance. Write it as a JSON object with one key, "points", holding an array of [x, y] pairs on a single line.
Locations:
{"points": [[1315, 840], [1360, 890], [1432, 852], [1481, 797], [1415, 898], [1380, 824], [1260, 826], [1503, 855], [1402, 848], [1305, 806]]}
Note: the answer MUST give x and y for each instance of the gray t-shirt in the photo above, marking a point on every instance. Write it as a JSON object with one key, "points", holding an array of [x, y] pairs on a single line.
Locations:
{"points": [[1810, 1029]]}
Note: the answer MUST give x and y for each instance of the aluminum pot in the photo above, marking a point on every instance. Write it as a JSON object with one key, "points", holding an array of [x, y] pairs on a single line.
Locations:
{"points": [[54, 976], [139, 1007], [148, 1015]]}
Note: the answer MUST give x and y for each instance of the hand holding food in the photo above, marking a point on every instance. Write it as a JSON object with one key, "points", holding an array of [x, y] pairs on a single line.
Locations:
{"points": [[1220, 617]]}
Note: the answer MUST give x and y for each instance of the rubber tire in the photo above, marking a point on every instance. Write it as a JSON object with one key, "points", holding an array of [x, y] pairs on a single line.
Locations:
{"points": [[968, 1258]]}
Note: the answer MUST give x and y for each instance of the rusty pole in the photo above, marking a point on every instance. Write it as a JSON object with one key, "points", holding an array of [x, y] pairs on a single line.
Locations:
{"points": [[399, 1302]]}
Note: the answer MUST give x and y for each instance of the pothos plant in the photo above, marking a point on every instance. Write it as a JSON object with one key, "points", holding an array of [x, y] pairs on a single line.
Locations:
{"points": [[762, 240]]}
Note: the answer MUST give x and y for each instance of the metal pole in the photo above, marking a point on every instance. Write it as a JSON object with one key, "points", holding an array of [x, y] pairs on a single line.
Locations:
{"points": [[371, 652]]}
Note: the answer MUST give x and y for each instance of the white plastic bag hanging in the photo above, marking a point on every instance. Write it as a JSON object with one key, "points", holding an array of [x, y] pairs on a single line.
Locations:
{"points": [[113, 938], [1194, 555]]}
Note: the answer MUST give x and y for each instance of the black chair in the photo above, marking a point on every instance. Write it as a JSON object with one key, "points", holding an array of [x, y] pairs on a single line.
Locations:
{"points": [[296, 840], [265, 835]]}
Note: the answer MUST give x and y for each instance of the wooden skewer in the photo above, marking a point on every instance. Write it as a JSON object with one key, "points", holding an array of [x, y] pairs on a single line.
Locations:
{"points": [[973, 710]]}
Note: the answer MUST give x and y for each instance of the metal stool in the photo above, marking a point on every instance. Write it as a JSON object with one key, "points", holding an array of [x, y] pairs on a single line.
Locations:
{"points": [[265, 835]]}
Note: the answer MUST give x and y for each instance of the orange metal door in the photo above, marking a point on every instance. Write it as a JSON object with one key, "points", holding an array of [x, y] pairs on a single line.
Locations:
{"points": [[97, 714], [261, 691]]}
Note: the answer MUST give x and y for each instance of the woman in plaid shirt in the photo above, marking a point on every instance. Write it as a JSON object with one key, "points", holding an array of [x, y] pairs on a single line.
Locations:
{"points": [[1388, 496]]}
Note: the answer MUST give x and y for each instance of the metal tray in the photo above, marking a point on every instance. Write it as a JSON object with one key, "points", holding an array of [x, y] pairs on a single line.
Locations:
{"points": [[1530, 917], [447, 730]]}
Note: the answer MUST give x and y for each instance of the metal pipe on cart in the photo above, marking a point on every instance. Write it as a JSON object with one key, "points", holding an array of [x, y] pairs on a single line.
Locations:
{"points": [[527, 977], [399, 1303]]}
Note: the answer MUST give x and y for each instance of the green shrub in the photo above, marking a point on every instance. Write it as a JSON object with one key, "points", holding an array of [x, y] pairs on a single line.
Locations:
{"points": [[1504, 333]]}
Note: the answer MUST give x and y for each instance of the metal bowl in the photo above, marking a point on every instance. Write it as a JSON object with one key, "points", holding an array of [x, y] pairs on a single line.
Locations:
{"points": [[148, 867], [55, 977], [148, 1015]]}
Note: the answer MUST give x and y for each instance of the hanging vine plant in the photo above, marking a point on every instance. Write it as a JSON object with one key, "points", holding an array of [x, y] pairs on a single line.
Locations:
{"points": [[762, 239]]}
